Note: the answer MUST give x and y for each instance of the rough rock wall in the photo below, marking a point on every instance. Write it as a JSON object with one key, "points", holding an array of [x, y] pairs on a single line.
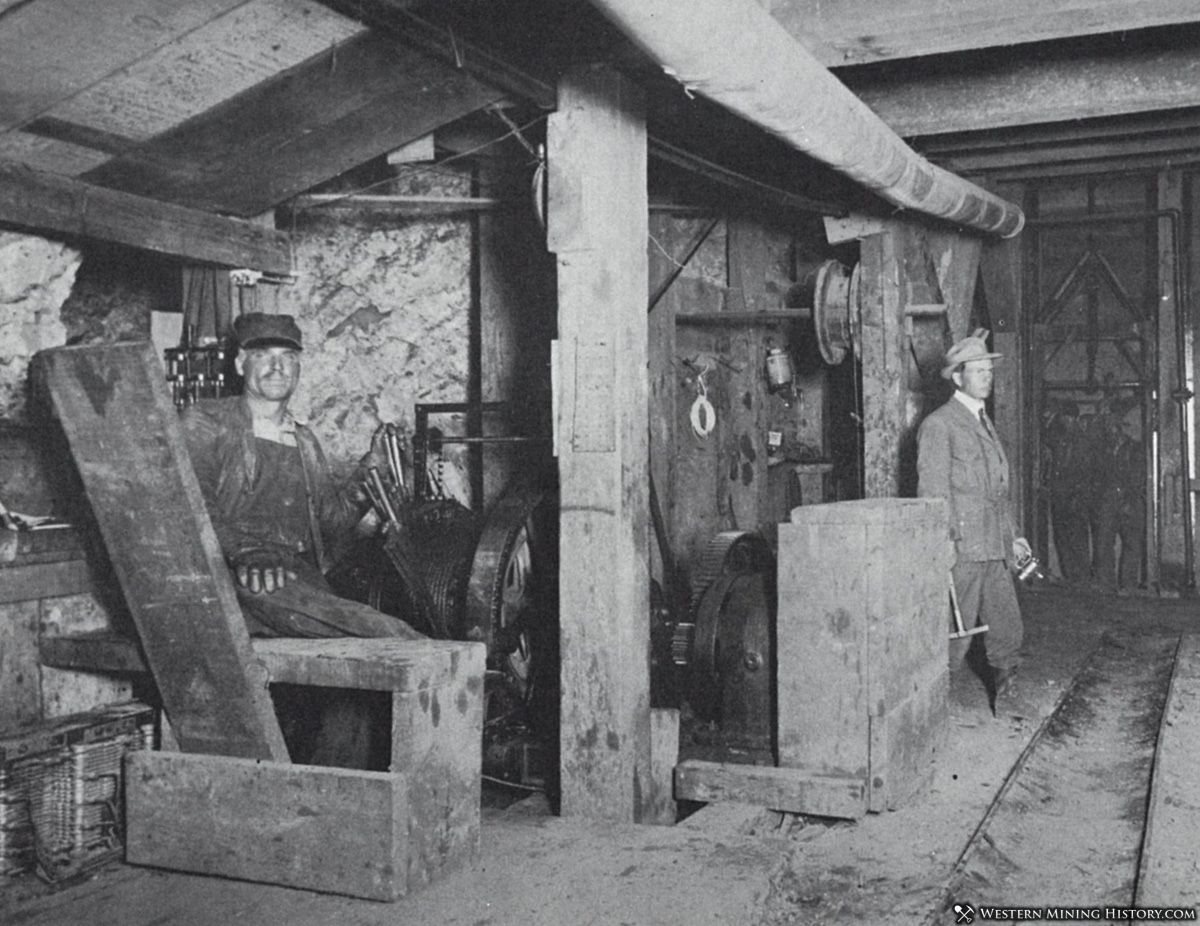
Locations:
{"points": [[36, 275], [52, 294], [115, 291], [383, 302], [48, 298]]}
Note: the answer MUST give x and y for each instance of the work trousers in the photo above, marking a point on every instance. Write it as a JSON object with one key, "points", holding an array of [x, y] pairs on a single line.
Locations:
{"points": [[1122, 516], [986, 595], [1074, 522]]}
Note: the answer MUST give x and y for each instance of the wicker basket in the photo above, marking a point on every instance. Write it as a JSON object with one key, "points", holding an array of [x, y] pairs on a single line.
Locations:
{"points": [[61, 790]]}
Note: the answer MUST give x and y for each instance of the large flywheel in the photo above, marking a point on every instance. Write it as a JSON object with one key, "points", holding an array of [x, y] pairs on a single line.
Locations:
{"points": [[731, 656], [508, 602]]}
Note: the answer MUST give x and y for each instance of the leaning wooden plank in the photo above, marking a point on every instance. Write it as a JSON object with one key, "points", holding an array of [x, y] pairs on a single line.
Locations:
{"points": [[340, 831], [789, 789], [49, 202], [125, 437], [1170, 851]]}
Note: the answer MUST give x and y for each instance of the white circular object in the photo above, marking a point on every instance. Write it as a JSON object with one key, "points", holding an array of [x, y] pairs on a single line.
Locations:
{"points": [[703, 416]]}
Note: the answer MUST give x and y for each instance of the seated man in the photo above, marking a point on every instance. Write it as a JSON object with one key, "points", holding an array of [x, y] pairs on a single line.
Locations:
{"points": [[275, 507]]}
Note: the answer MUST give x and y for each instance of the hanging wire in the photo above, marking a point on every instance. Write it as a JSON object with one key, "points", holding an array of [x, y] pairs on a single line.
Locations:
{"points": [[438, 168], [665, 253], [539, 187]]}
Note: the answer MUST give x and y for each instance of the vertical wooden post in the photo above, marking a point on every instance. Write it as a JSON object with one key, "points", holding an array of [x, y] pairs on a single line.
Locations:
{"points": [[1000, 274], [664, 384], [901, 265], [744, 448], [1170, 467], [956, 257], [883, 363], [1191, 264], [597, 227]]}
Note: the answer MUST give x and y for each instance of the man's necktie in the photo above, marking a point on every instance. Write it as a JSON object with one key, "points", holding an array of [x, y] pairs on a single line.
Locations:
{"points": [[987, 425]]}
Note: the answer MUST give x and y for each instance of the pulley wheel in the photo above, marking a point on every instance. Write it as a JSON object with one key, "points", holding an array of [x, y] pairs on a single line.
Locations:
{"points": [[832, 310], [728, 557], [506, 599]]}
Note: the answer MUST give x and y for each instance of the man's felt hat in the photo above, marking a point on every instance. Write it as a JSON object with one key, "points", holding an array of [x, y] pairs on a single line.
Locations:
{"points": [[258, 329], [973, 347]]}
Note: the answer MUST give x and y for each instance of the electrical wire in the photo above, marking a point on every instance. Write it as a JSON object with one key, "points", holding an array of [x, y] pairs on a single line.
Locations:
{"points": [[665, 253], [539, 187], [438, 168], [512, 784]]}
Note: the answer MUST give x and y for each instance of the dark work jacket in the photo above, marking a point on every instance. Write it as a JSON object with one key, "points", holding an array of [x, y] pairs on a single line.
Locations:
{"points": [[220, 440], [957, 460]]}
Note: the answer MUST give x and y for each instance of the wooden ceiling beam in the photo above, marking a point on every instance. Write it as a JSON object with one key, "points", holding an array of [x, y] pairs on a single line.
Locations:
{"points": [[395, 19], [1114, 153], [52, 49], [288, 134], [81, 135], [52, 203], [848, 32], [1176, 123], [1021, 92], [1151, 163]]}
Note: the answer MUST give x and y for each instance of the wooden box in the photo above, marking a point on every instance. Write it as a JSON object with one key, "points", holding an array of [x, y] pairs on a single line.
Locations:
{"points": [[862, 642], [397, 830]]}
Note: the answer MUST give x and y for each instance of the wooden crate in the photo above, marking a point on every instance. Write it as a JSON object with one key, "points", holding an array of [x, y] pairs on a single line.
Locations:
{"points": [[862, 642], [436, 688], [432, 788]]}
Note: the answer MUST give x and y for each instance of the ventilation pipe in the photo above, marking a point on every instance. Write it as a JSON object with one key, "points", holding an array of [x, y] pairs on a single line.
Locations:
{"points": [[735, 54]]}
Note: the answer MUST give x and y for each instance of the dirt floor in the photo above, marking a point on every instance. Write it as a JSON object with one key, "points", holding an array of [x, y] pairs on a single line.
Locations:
{"points": [[896, 867], [728, 864]]}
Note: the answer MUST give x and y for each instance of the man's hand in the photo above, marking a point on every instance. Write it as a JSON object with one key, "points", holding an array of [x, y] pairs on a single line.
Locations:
{"points": [[261, 571], [1021, 550]]}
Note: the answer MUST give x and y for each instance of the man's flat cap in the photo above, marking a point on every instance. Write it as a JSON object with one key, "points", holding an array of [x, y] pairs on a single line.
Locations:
{"points": [[258, 329], [969, 348]]}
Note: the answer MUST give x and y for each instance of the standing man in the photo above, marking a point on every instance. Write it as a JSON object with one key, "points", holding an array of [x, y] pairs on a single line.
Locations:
{"points": [[278, 513], [1073, 482], [1122, 501], [960, 459]]}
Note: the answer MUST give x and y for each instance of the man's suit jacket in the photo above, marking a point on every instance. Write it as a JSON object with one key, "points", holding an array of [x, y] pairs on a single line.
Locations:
{"points": [[959, 461]]}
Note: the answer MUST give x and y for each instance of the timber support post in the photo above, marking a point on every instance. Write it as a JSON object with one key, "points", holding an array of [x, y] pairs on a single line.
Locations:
{"points": [[597, 227], [918, 294]]}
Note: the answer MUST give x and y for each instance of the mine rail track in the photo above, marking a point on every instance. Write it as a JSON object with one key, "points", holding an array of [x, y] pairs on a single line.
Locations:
{"points": [[1102, 803]]}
